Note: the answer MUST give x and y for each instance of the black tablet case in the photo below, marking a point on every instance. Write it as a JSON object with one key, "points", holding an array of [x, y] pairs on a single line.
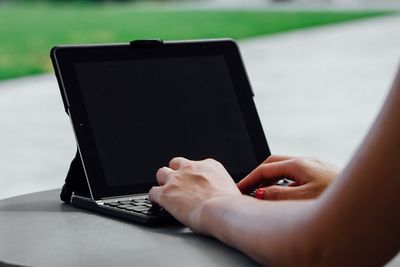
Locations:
{"points": [[75, 182]]}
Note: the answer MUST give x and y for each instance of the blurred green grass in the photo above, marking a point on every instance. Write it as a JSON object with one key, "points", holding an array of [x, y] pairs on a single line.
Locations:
{"points": [[29, 31]]}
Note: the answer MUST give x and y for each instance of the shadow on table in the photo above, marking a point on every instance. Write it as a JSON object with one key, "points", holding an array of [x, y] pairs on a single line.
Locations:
{"points": [[208, 245], [5, 264]]}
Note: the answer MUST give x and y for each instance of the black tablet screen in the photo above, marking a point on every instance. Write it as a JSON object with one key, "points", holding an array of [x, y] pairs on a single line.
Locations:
{"points": [[145, 112]]}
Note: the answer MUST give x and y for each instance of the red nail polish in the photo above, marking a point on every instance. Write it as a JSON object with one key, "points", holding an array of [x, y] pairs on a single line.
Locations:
{"points": [[260, 192]]}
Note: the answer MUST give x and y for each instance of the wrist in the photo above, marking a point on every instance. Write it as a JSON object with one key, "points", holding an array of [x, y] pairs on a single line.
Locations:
{"points": [[214, 212]]}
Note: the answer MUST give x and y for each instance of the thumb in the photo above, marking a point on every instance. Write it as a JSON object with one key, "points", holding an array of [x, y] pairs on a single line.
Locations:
{"points": [[277, 192]]}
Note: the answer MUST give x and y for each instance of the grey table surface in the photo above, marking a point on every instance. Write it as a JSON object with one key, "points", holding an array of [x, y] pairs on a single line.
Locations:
{"points": [[38, 230]]}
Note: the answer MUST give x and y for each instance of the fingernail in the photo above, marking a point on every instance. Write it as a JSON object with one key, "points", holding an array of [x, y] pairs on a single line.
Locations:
{"points": [[260, 192]]}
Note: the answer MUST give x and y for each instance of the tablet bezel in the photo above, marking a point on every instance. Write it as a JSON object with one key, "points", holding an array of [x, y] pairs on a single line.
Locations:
{"points": [[65, 57]]}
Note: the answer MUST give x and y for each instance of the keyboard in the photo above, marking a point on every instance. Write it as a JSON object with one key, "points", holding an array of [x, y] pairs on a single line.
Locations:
{"points": [[139, 204], [136, 209]]}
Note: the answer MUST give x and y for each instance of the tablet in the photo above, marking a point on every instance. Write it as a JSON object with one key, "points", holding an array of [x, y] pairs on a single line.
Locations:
{"points": [[135, 106]]}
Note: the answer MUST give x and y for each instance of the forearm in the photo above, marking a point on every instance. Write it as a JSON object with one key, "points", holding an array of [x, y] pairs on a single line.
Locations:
{"points": [[272, 233], [360, 214], [354, 223]]}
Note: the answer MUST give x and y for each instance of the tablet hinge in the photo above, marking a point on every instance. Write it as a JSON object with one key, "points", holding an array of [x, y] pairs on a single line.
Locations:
{"points": [[149, 43]]}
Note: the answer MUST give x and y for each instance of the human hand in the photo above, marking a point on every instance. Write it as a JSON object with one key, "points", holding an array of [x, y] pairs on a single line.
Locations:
{"points": [[310, 178], [185, 186]]}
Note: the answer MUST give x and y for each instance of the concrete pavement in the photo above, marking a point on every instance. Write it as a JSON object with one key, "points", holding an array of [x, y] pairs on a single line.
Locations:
{"points": [[36, 139], [317, 92]]}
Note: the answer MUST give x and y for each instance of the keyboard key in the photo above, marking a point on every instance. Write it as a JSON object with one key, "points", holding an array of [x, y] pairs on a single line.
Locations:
{"points": [[125, 206], [139, 208], [134, 209], [139, 204], [138, 197], [156, 210], [151, 213], [139, 200], [113, 204], [125, 202]]}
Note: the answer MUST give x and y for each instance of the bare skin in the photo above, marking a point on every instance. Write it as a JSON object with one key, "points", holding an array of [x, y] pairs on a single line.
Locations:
{"points": [[310, 177], [354, 222]]}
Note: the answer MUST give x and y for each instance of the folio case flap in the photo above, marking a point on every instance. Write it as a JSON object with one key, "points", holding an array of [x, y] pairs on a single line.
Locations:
{"points": [[75, 182]]}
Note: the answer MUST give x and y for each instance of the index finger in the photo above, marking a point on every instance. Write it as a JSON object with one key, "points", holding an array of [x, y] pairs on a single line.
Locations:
{"points": [[177, 162], [266, 173], [276, 158]]}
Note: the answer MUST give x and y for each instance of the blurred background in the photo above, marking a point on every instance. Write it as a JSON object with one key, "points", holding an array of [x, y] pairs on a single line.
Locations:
{"points": [[320, 70]]}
